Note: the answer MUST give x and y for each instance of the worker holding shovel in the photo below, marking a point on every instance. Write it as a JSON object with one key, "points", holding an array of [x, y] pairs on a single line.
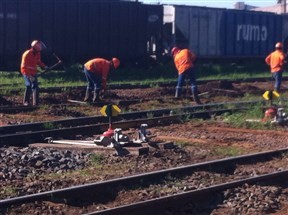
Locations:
{"points": [[30, 60], [184, 61], [96, 72], [276, 61]]}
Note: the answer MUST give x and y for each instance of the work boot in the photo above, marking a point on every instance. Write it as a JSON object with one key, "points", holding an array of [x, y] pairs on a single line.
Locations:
{"points": [[178, 92], [26, 99], [96, 95], [195, 96], [87, 95], [35, 96]]}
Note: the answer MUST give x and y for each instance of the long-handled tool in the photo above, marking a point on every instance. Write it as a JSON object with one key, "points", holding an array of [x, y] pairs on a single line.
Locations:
{"points": [[51, 67]]}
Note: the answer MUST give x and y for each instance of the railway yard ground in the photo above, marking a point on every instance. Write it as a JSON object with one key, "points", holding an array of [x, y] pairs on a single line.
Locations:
{"points": [[33, 169]]}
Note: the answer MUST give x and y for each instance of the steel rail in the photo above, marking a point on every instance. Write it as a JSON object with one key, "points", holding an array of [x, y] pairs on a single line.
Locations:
{"points": [[17, 109], [82, 191], [163, 203], [22, 139], [28, 127]]}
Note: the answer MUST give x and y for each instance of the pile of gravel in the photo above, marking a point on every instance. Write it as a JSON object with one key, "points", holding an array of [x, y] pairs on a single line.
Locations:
{"points": [[17, 163]]}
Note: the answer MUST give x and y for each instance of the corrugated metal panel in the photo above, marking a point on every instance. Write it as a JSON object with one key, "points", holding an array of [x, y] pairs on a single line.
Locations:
{"points": [[198, 29], [11, 29], [222, 32], [2, 35], [250, 33], [285, 32]]}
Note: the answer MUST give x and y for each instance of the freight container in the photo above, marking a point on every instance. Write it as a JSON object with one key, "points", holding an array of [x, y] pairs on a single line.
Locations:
{"points": [[217, 32], [78, 30]]}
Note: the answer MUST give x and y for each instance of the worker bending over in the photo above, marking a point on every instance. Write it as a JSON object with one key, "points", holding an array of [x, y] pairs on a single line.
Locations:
{"points": [[96, 72], [184, 62]]}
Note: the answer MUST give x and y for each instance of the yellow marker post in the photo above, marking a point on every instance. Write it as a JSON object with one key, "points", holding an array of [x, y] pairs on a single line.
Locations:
{"points": [[110, 110], [271, 95]]}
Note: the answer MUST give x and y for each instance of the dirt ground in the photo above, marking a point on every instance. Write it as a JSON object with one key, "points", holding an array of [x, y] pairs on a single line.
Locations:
{"points": [[197, 141], [55, 105]]}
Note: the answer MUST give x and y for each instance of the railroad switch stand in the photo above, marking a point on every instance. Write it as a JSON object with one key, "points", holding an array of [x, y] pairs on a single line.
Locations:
{"points": [[110, 111], [276, 116], [119, 139], [142, 136]]}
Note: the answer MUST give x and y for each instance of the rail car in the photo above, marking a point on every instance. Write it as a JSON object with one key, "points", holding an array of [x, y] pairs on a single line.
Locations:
{"points": [[216, 32], [78, 30]]}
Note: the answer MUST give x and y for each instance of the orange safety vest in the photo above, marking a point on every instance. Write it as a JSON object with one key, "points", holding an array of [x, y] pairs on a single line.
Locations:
{"points": [[184, 60], [99, 66], [30, 60], [275, 60]]}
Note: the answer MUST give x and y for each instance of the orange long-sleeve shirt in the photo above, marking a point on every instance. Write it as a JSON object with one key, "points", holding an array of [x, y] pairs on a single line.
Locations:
{"points": [[275, 60], [184, 60], [30, 60], [99, 66]]}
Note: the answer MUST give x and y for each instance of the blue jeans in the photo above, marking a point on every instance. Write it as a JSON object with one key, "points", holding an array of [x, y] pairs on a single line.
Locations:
{"points": [[278, 78], [31, 81], [93, 80], [190, 73]]}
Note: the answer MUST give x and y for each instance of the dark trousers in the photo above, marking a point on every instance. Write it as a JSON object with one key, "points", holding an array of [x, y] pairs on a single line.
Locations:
{"points": [[31, 81], [278, 79], [190, 73], [93, 80]]}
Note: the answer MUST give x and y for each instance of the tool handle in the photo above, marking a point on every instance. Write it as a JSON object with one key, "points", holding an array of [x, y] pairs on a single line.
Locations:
{"points": [[50, 68]]}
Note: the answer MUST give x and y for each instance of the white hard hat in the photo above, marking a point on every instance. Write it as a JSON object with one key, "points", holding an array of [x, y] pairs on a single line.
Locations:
{"points": [[38, 45]]}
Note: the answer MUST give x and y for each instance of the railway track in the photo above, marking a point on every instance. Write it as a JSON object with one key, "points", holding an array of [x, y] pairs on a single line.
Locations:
{"points": [[105, 192], [35, 132]]}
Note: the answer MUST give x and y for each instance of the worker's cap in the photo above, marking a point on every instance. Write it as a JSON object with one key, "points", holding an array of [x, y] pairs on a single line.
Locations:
{"points": [[38, 45], [116, 62]]}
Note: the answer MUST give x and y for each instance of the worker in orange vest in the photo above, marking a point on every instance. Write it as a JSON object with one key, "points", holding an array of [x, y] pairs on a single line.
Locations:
{"points": [[30, 60], [184, 62], [96, 72], [276, 61]]}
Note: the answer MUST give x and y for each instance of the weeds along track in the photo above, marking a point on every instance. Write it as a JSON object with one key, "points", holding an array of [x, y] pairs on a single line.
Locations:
{"points": [[140, 84], [232, 183], [22, 135], [63, 101]]}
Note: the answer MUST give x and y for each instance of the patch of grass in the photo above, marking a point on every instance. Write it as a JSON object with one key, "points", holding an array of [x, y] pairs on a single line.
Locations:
{"points": [[239, 119], [96, 169], [227, 151], [150, 115], [49, 126], [96, 159], [184, 144], [7, 191], [147, 73]]}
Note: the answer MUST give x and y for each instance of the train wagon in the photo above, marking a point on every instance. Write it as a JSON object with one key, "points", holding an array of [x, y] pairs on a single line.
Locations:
{"points": [[217, 32], [78, 30]]}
